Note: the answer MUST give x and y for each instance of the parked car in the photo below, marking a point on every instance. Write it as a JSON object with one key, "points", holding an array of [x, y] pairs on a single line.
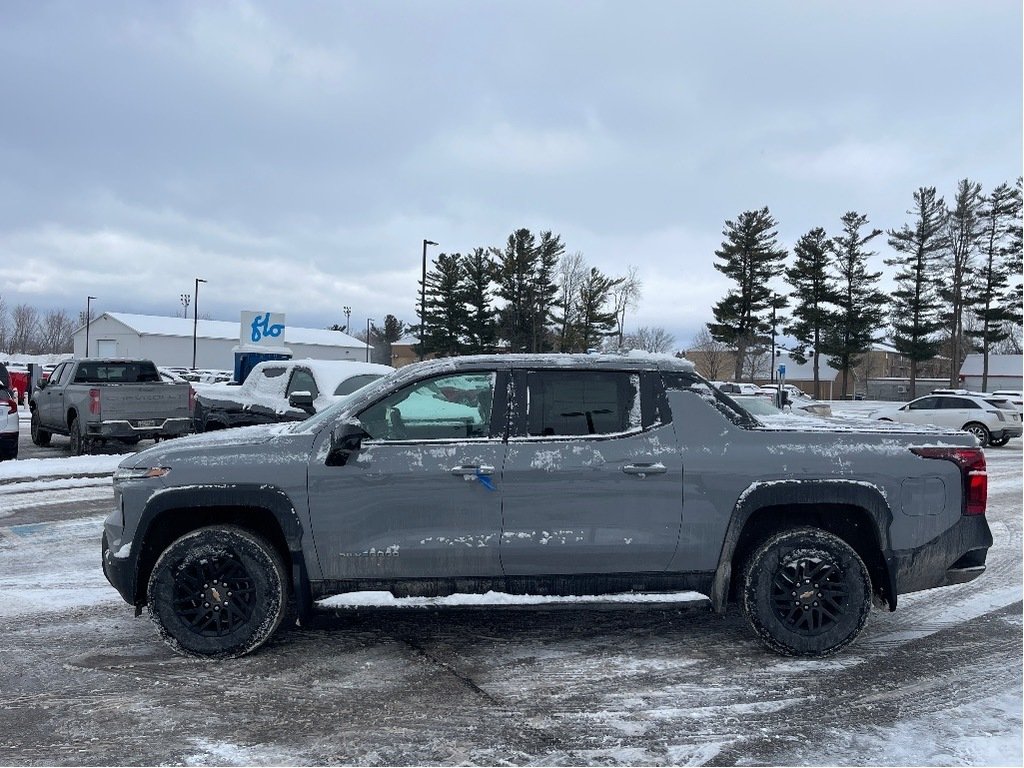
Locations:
{"points": [[96, 400], [983, 418], [281, 390], [17, 381], [742, 388], [9, 419], [544, 474], [760, 406]]}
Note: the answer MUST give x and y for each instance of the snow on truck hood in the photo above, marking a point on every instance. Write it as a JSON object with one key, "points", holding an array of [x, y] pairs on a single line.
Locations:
{"points": [[224, 437]]}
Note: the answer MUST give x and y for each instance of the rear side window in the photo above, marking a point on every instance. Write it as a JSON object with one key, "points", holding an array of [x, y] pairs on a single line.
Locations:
{"points": [[580, 403], [351, 384]]}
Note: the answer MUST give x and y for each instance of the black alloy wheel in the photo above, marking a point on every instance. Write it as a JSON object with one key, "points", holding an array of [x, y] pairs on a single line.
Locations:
{"points": [[806, 592], [218, 592], [77, 440]]}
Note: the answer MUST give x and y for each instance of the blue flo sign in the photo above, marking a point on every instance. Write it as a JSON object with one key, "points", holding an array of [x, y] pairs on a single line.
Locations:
{"points": [[262, 329]]}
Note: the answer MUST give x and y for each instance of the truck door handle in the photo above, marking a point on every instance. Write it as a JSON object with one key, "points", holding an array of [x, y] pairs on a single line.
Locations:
{"points": [[472, 470], [645, 469]]}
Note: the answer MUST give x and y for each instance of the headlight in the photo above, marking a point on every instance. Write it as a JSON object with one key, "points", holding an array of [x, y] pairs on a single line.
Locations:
{"points": [[139, 473]]}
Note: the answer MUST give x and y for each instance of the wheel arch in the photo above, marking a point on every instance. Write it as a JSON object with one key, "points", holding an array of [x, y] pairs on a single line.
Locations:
{"points": [[856, 512], [267, 512]]}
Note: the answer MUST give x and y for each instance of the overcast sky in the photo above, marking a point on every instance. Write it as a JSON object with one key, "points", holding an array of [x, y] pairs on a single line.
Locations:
{"points": [[295, 155]]}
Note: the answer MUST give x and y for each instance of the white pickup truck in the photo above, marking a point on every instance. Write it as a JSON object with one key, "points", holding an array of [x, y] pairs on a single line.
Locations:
{"points": [[281, 390]]}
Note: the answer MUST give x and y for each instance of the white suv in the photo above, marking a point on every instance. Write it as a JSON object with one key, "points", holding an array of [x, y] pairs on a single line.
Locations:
{"points": [[982, 417], [9, 423]]}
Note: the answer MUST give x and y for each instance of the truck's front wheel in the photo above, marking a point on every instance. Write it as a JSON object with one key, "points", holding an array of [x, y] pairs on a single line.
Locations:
{"points": [[806, 592], [218, 592]]}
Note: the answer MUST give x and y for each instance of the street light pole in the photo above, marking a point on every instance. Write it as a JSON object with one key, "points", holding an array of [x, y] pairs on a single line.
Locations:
{"points": [[195, 321], [88, 317], [368, 321], [423, 296]]}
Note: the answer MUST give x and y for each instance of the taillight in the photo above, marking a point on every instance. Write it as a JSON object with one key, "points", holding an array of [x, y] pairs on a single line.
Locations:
{"points": [[94, 401], [972, 469], [12, 405]]}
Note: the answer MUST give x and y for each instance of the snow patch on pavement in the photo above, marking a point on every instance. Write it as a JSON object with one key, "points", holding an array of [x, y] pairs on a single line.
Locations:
{"points": [[386, 599]]}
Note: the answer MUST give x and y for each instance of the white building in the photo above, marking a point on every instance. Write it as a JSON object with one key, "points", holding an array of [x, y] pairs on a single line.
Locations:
{"points": [[168, 341], [1004, 372]]}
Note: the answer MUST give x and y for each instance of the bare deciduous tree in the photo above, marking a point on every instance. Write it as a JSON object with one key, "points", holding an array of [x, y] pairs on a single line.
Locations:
{"points": [[55, 332], [712, 358], [655, 339], [24, 329], [626, 296]]}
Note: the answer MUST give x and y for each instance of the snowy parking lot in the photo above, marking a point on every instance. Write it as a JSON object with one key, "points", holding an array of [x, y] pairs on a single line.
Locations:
{"points": [[489, 680]]}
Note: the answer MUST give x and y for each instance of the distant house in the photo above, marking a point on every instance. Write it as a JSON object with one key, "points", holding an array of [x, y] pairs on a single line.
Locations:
{"points": [[1004, 372], [168, 341]]}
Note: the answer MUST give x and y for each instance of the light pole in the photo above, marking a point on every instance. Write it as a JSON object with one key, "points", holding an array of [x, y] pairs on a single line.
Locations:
{"points": [[423, 296], [368, 321], [772, 372], [195, 321], [88, 317], [348, 321]]}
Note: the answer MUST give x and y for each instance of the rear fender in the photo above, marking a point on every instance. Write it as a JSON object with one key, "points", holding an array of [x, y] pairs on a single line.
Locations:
{"points": [[798, 500]]}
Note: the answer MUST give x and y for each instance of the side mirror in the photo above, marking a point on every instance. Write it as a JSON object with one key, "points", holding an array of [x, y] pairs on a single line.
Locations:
{"points": [[302, 400], [346, 440]]}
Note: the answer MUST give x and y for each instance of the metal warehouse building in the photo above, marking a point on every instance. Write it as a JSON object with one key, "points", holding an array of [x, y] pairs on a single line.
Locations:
{"points": [[168, 341]]}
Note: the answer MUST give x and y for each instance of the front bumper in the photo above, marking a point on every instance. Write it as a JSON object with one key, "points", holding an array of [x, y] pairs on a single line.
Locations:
{"points": [[954, 557], [119, 559]]}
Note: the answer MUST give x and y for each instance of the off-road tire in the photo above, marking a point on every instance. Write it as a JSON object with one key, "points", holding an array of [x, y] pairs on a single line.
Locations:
{"points": [[980, 431], [40, 436], [806, 592], [226, 563]]}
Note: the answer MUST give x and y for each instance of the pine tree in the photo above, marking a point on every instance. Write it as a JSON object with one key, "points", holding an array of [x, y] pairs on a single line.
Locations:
{"points": [[962, 233], [860, 305], [993, 299], [525, 279], [594, 320], [446, 314], [915, 302], [750, 256], [382, 337], [477, 292], [550, 250], [514, 269], [813, 289]]}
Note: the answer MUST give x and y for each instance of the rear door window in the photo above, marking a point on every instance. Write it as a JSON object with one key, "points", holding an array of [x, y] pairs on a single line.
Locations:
{"points": [[582, 403]]}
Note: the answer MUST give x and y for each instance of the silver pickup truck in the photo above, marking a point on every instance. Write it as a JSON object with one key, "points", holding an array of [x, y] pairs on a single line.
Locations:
{"points": [[545, 474], [98, 400]]}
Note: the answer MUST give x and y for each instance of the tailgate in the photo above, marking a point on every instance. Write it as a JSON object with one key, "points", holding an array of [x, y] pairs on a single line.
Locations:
{"points": [[134, 402]]}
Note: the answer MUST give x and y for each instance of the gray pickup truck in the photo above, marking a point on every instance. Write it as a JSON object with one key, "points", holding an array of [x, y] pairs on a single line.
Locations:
{"points": [[545, 474], [98, 400]]}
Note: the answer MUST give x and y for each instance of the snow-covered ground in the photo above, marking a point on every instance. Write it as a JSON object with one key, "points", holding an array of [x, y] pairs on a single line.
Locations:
{"points": [[491, 679]]}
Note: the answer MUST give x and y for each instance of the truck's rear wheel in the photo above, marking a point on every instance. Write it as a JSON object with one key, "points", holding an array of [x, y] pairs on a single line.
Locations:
{"points": [[40, 436], [79, 442], [218, 592], [806, 592]]}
